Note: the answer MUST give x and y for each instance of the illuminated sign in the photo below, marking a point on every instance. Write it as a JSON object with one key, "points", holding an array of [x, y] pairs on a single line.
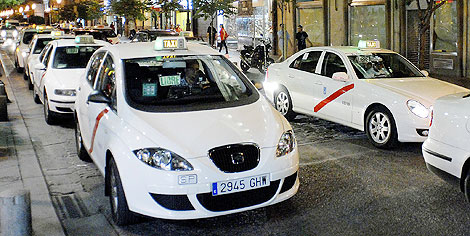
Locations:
{"points": [[368, 44]]}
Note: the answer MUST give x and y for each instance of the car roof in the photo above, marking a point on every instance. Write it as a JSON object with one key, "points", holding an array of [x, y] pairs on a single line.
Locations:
{"points": [[146, 49], [68, 36], [352, 50], [71, 42]]}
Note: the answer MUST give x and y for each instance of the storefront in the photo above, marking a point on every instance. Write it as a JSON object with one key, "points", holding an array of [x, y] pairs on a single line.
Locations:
{"points": [[253, 22], [311, 15], [447, 39], [369, 20]]}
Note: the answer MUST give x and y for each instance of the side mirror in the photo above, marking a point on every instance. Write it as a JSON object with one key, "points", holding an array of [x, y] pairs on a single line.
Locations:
{"points": [[341, 76], [98, 97], [40, 66], [425, 73]]}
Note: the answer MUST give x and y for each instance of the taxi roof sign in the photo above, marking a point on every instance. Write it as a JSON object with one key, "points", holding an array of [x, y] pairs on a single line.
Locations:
{"points": [[57, 33], [369, 44], [170, 43], [84, 39]]}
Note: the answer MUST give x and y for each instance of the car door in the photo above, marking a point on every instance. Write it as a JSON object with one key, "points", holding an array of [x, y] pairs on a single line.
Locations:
{"points": [[303, 80], [38, 73], [41, 74], [335, 97], [102, 116], [86, 86]]}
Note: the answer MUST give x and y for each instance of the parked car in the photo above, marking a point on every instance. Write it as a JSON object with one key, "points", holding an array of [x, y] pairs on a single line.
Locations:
{"points": [[447, 151], [367, 88]]}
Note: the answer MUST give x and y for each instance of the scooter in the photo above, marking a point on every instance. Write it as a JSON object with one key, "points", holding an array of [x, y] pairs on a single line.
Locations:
{"points": [[256, 57]]}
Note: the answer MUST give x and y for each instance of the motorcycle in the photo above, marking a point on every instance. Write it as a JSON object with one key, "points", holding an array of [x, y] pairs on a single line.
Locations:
{"points": [[256, 57]]}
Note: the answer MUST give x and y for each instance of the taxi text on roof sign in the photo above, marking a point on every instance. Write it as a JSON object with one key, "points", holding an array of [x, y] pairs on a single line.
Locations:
{"points": [[57, 33], [368, 44], [170, 43], [84, 39]]}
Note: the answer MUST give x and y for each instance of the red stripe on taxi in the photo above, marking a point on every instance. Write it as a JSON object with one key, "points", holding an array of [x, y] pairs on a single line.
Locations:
{"points": [[98, 118], [332, 97]]}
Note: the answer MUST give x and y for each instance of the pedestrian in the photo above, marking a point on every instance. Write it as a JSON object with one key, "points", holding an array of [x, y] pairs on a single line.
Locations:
{"points": [[223, 37], [178, 28], [132, 34], [302, 37], [112, 26], [281, 41], [211, 32]]}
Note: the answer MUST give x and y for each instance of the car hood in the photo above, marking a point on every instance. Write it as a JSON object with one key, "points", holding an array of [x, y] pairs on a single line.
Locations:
{"points": [[426, 90], [65, 78], [193, 134]]}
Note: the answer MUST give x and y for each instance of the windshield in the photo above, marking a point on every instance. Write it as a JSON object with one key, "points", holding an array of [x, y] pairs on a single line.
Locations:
{"points": [[9, 27], [383, 65], [40, 44], [28, 35], [73, 57], [184, 83]]}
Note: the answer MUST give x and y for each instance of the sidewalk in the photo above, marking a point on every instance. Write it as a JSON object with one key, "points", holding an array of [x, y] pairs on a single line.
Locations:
{"points": [[20, 169]]}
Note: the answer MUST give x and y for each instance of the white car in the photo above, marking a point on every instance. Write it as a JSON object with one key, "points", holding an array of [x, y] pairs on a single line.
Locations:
{"points": [[447, 150], [56, 76], [177, 142], [25, 37], [367, 88], [35, 47]]}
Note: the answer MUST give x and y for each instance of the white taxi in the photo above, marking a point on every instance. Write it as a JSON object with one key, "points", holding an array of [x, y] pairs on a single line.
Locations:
{"points": [[367, 88], [56, 76], [36, 45], [25, 37], [178, 132], [447, 150]]}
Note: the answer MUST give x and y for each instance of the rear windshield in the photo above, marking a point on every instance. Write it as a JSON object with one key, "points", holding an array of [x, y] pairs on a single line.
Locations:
{"points": [[28, 35], [73, 57], [40, 44], [185, 83]]}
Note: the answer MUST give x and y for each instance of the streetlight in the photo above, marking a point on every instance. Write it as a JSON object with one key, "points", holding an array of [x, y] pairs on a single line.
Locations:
{"points": [[33, 6], [20, 10], [26, 8]]}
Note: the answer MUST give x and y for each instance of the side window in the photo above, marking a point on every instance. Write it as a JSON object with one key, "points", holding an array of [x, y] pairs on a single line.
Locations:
{"points": [[332, 63], [307, 62], [94, 66], [107, 80], [43, 52], [47, 56]]}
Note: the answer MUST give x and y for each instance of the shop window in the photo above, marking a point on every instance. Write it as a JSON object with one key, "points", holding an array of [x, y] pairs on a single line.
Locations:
{"points": [[445, 30], [367, 22]]}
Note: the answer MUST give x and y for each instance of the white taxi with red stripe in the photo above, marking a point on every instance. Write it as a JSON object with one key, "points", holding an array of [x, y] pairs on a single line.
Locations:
{"points": [[178, 132], [367, 88], [56, 76]]}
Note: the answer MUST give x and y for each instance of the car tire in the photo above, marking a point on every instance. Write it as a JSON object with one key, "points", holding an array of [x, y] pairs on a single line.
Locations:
{"points": [[119, 209], [81, 151], [466, 186], [49, 116], [36, 96], [381, 128], [244, 66], [283, 104]]}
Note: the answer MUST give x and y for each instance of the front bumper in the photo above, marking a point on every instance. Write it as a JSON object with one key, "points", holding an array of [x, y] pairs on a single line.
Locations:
{"points": [[62, 104], [157, 193], [445, 157]]}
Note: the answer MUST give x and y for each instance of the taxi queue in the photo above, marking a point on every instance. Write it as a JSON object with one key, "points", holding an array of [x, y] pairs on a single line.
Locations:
{"points": [[135, 105]]}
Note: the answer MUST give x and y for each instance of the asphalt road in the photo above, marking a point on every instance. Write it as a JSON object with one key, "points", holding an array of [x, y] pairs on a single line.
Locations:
{"points": [[348, 187]]}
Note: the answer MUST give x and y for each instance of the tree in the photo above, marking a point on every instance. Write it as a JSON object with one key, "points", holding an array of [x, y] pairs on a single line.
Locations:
{"points": [[212, 8], [132, 10], [424, 24], [168, 6], [5, 4], [89, 10], [67, 13]]}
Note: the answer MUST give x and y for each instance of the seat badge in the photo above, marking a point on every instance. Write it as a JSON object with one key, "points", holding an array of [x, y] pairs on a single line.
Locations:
{"points": [[237, 158]]}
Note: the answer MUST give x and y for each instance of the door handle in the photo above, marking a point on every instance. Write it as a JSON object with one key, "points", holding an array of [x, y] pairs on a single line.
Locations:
{"points": [[290, 76], [318, 83]]}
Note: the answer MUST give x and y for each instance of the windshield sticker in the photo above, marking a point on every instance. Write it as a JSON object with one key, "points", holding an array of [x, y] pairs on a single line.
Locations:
{"points": [[71, 50], [170, 80], [149, 89]]}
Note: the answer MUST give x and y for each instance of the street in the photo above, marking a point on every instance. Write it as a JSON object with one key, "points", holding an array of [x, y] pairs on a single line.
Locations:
{"points": [[347, 186]]}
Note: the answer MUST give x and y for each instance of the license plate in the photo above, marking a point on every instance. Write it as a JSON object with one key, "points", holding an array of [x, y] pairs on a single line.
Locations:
{"points": [[240, 185]]}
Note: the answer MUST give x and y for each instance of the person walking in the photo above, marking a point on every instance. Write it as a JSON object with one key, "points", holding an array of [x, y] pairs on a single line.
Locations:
{"points": [[302, 38], [211, 32], [223, 36]]}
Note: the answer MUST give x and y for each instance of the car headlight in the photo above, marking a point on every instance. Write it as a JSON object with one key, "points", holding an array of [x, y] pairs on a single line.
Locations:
{"points": [[65, 92], [3, 33], [286, 144], [15, 33], [163, 159], [417, 108]]}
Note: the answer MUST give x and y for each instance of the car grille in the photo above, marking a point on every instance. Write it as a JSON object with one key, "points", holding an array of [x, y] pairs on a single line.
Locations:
{"points": [[236, 157], [238, 200]]}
